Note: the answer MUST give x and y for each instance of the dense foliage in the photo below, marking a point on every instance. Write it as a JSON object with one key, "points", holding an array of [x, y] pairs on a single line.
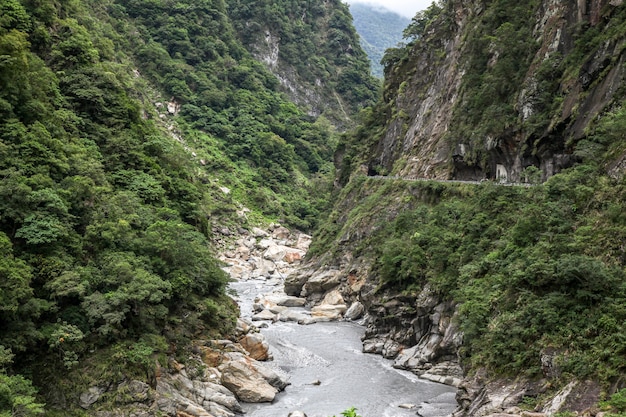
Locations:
{"points": [[537, 270], [379, 29], [317, 53], [103, 234], [110, 193]]}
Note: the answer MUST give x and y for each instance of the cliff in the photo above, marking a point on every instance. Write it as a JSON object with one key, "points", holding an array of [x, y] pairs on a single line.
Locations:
{"points": [[313, 50], [496, 286], [487, 90]]}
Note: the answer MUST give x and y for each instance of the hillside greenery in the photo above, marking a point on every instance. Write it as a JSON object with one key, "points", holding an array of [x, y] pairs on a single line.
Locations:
{"points": [[129, 131], [533, 269], [318, 53], [378, 29]]}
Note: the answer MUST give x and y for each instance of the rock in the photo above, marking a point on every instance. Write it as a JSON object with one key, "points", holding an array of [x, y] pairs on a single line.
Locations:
{"points": [[312, 320], [242, 327], [264, 315], [442, 379], [291, 315], [262, 268], [278, 309], [242, 252], [391, 349], [193, 410], [281, 233], [90, 397], [275, 252], [237, 272], [291, 257], [274, 378], [177, 395], [259, 233], [246, 382], [373, 346], [323, 282], [265, 243], [355, 311], [297, 414], [285, 300], [333, 298], [294, 283], [173, 107], [256, 346], [330, 312], [303, 242]]}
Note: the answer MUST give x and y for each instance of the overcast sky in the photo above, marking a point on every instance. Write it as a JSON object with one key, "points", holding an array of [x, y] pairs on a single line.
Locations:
{"points": [[406, 8]]}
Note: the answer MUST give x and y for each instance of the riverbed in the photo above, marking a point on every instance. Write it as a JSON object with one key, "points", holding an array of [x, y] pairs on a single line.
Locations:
{"points": [[329, 373]]}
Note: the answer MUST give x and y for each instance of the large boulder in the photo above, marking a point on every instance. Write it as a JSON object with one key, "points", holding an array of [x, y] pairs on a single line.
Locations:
{"points": [[320, 283], [294, 283], [177, 394], [240, 377], [256, 345], [328, 312], [355, 311], [264, 315], [283, 300], [333, 298]]}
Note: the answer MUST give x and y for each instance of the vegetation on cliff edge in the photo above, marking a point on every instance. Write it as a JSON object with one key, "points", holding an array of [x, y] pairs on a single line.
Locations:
{"points": [[128, 131]]}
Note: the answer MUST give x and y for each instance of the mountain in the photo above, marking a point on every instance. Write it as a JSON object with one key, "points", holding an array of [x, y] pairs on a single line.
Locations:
{"points": [[312, 48], [480, 215], [135, 136], [378, 29]]}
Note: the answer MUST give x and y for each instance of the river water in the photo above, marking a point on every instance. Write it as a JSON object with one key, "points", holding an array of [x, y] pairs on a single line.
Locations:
{"points": [[329, 373]]}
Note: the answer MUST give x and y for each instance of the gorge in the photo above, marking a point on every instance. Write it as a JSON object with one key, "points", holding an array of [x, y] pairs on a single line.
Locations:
{"points": [[148, 149]]}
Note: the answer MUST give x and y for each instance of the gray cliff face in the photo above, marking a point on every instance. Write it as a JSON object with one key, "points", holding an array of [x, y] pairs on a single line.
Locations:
{"points": [[428, 93], [314, 52], [561, 93]]}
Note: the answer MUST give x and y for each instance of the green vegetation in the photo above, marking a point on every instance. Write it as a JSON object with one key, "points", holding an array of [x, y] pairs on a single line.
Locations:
{"points": [[616, 405], [379, 29], [109, 200], [350, 412], [499, 53], [317, 47], [533, 268]]}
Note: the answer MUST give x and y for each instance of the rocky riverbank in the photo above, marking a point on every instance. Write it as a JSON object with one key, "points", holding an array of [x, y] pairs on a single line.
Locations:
{"points": [[420, 334], [218, 375]]}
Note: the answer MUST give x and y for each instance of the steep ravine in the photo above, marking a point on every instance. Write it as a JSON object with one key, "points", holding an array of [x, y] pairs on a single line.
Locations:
{"points": [[328, 369]]}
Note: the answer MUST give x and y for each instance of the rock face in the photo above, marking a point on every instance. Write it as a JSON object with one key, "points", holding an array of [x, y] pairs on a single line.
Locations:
{"points": [[428, 90], [242, 378]]}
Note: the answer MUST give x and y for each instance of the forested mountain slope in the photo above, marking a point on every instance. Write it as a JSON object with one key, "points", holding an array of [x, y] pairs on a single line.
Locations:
{"points": [[130, 133], [313, 49], [516, 294], [378, 29]]}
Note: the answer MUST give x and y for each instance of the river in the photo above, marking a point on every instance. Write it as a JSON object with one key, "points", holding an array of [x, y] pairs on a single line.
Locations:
{"points": [[329, 373]]}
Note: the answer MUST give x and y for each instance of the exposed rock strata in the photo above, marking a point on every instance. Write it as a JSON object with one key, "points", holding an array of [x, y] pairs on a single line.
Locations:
{"points": [[425, 91]]}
